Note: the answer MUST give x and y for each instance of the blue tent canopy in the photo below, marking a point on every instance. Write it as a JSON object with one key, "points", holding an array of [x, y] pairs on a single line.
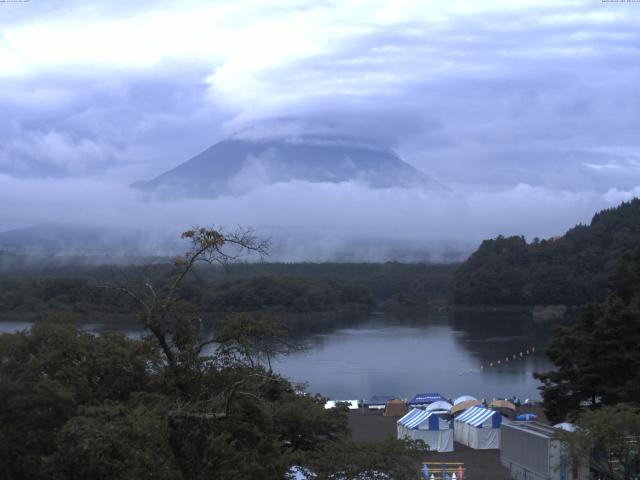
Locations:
{"points": [[527, 417], [426, 398]]}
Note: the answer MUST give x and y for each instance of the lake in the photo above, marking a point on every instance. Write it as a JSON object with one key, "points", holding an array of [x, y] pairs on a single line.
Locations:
{"points": [[451, 353]]}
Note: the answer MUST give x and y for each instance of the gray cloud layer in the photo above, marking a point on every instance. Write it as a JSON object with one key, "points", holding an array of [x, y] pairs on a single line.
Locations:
{"points": [[530, 114]]}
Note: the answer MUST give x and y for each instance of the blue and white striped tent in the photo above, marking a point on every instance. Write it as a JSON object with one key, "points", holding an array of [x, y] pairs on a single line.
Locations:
{"points": [[432, 428], [417, 417], [477, 416], [478, 428]]}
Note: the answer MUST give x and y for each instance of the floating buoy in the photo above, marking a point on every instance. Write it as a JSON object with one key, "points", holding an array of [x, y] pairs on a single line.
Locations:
{"points": [[513, 356]]}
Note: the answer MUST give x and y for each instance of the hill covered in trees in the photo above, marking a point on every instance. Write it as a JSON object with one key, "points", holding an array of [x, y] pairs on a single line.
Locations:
{"points": [[573, 269], [286, 290]]}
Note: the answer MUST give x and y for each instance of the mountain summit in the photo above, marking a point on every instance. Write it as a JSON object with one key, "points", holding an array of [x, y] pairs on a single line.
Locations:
{"points": [[238, 165]]}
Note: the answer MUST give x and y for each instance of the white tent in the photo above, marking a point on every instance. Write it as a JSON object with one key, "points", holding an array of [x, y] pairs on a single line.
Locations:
{"points": [[463, 398], [432, 428], [478, 428], [351, 404], [566, 426], [439, 406]]}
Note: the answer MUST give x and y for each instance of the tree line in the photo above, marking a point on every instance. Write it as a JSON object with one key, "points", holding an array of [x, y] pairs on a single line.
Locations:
{"points": [[573, 269], [267, 288]]}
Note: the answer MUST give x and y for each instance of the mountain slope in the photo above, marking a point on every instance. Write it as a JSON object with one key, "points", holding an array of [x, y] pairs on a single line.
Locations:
{"points": [[236, 166], [573, 269]]}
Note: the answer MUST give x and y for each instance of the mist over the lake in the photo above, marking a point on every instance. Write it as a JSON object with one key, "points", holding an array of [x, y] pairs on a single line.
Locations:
{"points": [[308, 221]]}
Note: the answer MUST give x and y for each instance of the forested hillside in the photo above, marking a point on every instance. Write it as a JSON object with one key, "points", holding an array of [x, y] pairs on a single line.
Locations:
{"points": [[572, 269], [276, 288]]}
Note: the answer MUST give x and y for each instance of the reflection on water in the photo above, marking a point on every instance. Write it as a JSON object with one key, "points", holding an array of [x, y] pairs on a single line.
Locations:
{"points": [[390, 355]]}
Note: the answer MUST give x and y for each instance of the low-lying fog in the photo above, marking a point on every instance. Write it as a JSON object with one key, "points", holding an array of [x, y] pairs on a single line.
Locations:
{"points": [[306, 221]]}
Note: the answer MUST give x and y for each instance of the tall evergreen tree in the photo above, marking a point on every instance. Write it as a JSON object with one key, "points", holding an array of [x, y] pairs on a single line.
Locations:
{"points": [[597, 359]]}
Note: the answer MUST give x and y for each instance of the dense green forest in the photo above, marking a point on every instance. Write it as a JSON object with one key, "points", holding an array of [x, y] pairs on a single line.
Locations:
{"points": [[572, 270], [286, 290]]}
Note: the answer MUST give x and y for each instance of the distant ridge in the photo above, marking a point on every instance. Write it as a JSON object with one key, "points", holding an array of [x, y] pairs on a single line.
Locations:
{"points": [[573, 269], [236, 166]]}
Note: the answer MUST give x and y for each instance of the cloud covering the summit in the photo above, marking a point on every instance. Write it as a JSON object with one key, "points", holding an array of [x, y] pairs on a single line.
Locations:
{"points": [[528, 111]]}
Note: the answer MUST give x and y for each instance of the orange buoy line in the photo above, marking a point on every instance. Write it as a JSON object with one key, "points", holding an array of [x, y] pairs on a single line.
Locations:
{"points": [[515, 356]]}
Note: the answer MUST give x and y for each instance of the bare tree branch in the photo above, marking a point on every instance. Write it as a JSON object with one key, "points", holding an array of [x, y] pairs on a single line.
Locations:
{"points": [[208, 245]]}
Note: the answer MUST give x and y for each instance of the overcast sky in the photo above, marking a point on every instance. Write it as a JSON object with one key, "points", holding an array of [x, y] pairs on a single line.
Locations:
{"points": [[529, 111]]}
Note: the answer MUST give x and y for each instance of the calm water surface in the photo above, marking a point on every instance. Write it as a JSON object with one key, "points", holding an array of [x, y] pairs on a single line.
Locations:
{"points": [[387, 355]]}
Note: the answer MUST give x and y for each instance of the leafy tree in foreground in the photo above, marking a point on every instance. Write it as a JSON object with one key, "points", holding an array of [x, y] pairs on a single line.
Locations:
{"points": [[47, 374], [177, 404], [391, 459], [116, 440], [609, 437]]}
